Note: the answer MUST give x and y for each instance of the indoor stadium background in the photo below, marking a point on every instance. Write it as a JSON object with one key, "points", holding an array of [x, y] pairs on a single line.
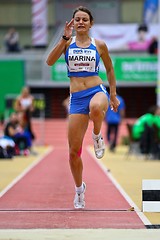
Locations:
{"points": [[28, 67]]}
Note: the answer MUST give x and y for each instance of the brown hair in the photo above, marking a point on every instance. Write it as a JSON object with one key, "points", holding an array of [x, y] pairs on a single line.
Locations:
{"points": [[83, 9]]}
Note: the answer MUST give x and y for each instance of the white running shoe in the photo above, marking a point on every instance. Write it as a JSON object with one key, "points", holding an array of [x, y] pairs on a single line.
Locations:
{"points": [[99, 147], [79, 201]]}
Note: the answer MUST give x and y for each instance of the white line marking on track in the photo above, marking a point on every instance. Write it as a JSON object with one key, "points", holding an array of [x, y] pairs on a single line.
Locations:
{"points": [[121, 190], [19, 177], [60, 210]]}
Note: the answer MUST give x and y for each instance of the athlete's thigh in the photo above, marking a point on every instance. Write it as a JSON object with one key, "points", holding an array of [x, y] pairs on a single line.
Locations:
{"points": [[77, 126], [100, 98]]}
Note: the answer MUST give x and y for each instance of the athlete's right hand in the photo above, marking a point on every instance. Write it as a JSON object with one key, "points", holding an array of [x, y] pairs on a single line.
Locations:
{"points": [[114, 103], [68, 29]]}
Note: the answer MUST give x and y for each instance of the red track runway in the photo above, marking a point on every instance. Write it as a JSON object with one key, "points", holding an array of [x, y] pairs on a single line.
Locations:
{"points": [[43, 198]]}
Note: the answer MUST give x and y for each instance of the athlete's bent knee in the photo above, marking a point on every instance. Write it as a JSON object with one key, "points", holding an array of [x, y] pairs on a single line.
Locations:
{"points": [[95, 109]]}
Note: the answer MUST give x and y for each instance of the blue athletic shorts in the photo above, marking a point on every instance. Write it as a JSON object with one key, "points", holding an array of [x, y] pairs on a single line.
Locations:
{"points": [[79, 101]]}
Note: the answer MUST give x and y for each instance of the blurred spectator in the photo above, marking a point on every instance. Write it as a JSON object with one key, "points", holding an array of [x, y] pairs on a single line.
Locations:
{"points": [[24, 105], [22, 138], [7, 148], [142, 43], [113, 120], [153, 47], [11, 41], [146, 130]]}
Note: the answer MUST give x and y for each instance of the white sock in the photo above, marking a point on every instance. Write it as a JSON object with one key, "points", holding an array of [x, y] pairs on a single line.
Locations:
{"points": [[95, 137], [80, 189]]}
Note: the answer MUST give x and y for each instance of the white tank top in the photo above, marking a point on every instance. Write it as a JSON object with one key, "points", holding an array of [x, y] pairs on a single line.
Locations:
{"points": [[26, 102]]}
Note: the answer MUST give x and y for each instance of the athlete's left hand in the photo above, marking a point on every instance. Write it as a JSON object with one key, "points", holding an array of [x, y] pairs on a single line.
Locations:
{"points": [[114, 103]]}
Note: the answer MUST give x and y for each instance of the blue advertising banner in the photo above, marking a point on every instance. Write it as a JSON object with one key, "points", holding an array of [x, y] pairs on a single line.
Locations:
{"points": [[150, 14]]}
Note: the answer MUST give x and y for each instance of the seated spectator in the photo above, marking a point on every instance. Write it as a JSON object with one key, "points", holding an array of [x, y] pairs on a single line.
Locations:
{"points": [[11, 41], [146, 130], [22, 138], [7, 147]]}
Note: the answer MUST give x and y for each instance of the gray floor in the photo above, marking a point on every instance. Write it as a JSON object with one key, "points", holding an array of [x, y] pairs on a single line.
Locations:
{"points": [[80, 234]]}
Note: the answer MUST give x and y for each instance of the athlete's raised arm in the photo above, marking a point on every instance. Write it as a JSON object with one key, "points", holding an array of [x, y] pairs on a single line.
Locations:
{"points": [[61, 45]]}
